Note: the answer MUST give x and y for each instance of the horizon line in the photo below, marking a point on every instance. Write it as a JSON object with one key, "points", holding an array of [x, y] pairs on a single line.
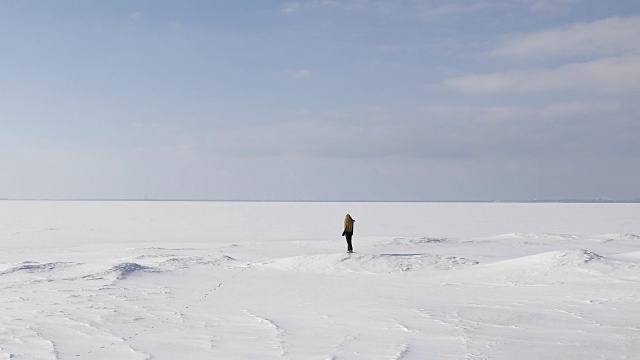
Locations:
{"points": [[591, 201]]}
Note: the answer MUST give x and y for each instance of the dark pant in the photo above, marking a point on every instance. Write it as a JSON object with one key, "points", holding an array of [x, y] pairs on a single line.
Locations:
{"points": [[349, 246]]}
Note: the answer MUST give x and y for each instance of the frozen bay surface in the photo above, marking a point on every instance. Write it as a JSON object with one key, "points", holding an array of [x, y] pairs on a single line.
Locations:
{"points": [[260, 280]]}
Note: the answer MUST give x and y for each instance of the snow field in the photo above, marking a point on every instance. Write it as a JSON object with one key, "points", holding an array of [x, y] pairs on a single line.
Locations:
{"points": [[128, 280]]}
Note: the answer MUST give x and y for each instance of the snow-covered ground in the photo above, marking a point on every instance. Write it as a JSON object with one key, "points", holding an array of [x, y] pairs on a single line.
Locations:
{"points": [[243, 280]]}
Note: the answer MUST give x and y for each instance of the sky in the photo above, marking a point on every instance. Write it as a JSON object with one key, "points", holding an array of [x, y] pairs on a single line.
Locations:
{"points": [[409, 100]]}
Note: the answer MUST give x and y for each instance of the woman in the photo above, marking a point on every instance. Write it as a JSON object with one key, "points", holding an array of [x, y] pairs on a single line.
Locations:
{"points": [[348, 231]]}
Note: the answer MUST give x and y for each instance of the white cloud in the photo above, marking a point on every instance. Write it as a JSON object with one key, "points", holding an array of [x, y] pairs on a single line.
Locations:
{"points": [[290, 8], [362, 6], [539, 6], [609, 37], [178, 26], [610, 75], [455, 8], [425, 10], [389, 48], [443, 131], [135, 15], [297, 74], [550, 112], [347, 4], [301, 112], [430, 11]]}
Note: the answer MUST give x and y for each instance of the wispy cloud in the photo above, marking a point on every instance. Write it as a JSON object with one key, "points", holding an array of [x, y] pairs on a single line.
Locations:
{"points": [[299, 74], [442, 131], [551, 112], [301, 112], [426, 10], [456, 8], [540, 6], [611, 75], [368, 6], [290, 8], [135, 15], [608, 37], [608, 49], [389, 48]]}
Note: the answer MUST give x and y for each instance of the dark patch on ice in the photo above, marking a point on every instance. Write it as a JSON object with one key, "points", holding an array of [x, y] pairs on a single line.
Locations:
{"points": [[224, 259], [625, 237], [153, 256], [171, 249], [429, 240], [402, 254], [32, 267], [185, 262], [425, 240], [125, 269], [121, 271], [615, 237], [177, 262], [543, 236], [590, 256]]}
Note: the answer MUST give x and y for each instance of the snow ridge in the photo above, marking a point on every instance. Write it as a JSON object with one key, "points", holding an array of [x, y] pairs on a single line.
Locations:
{"points": [[368, 263], [34, 267]]}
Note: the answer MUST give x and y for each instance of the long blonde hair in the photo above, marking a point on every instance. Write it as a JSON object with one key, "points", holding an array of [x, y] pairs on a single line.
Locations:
{"points": [[348, 223]]}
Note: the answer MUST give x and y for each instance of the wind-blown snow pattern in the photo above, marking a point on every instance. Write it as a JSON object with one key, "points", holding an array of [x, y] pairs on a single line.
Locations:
{"points": [[368, 263], [155, 280]]}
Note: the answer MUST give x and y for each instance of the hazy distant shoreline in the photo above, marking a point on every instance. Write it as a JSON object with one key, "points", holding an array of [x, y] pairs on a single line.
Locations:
{"points": [[347, 201]]}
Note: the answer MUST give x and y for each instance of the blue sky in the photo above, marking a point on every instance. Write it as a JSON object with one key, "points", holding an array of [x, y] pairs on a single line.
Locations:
{"points": [[320, 99]]}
